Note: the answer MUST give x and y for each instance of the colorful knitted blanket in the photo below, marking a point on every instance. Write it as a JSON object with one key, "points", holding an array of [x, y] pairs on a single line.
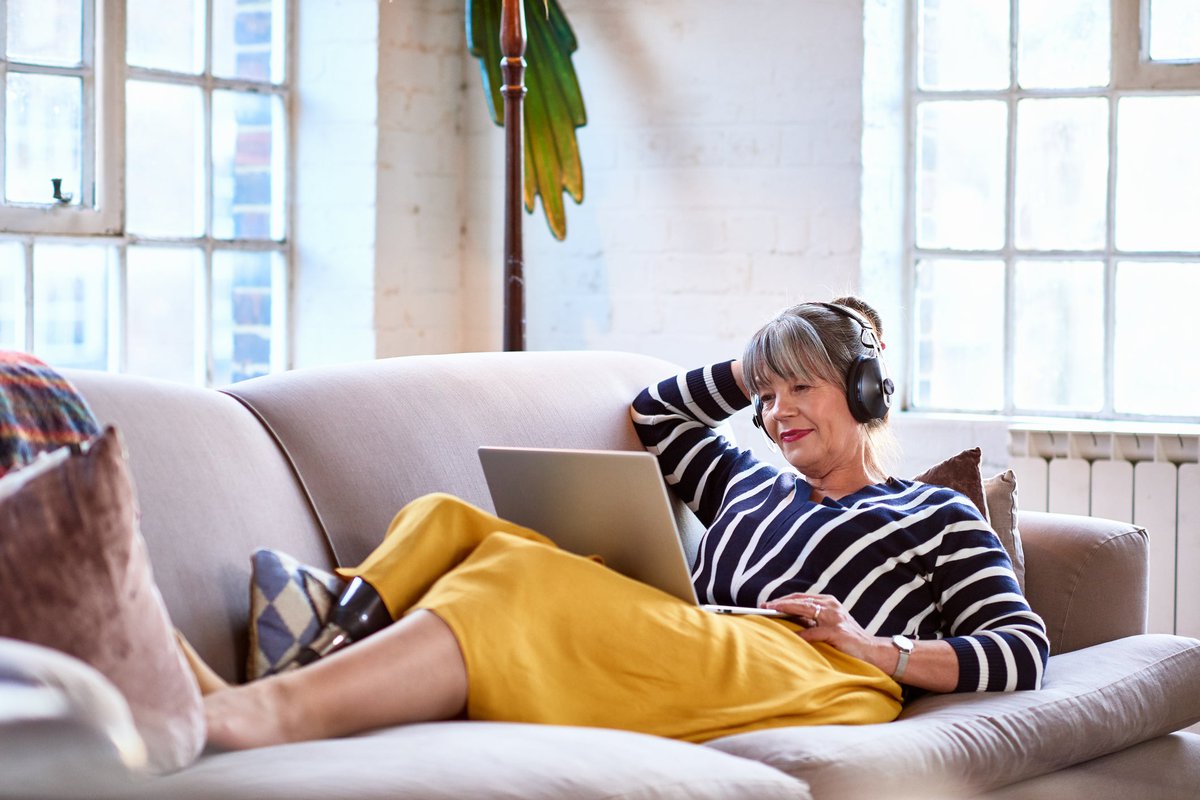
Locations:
{"points": [[39, 411]]}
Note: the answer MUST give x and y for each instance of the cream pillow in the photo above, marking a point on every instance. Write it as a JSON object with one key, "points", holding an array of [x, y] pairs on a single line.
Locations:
{"points": [[1001, 494]]}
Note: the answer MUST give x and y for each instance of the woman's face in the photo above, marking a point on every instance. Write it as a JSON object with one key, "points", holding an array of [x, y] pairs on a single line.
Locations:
{"points": [[812, 424]]}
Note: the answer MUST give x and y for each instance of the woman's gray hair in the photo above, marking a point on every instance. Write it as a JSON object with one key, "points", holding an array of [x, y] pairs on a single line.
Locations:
{"points": [[810, 342]]}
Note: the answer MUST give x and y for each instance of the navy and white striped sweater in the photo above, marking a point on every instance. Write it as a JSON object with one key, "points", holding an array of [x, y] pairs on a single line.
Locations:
{"points": [[902, 556]]}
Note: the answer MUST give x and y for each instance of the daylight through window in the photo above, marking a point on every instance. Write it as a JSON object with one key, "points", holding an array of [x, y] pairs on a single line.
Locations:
{"points": [[145, 185], [1055, 194]]}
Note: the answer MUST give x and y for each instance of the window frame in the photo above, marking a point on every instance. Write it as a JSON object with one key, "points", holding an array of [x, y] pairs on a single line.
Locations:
{"points": [[104, 132], [105, 223], [1132, 75]]}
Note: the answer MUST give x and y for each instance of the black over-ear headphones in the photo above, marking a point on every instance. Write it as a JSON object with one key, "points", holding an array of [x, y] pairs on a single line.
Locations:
{"points": [[868, 388]]}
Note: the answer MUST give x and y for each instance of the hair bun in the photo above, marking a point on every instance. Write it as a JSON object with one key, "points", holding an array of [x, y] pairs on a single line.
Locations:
{"points": [[865, 309]]}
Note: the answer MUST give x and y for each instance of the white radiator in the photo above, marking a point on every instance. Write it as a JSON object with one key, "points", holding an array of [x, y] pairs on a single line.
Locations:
{"points": [[1146, 476]]}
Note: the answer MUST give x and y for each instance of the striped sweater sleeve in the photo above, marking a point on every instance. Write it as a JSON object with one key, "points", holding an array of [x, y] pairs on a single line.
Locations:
{"points": [[675, 419], [1000, 642]]}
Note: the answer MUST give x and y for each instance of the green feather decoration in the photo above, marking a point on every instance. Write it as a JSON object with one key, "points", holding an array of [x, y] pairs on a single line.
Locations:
{"points": [[553, 106]]}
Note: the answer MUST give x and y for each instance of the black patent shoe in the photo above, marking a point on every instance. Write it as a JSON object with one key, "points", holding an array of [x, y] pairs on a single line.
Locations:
{"points": [[359, 612]]}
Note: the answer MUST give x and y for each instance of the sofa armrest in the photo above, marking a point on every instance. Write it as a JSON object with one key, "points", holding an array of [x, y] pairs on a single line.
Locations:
{"points": [[1086, 576], [65, 729]]}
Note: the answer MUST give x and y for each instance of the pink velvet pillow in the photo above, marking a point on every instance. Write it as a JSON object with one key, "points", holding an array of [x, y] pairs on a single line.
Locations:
{"points": [[74, 576]]}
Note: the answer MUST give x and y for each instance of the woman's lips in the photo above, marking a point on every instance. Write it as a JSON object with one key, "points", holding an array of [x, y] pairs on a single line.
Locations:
{"points": [[794, 435]]}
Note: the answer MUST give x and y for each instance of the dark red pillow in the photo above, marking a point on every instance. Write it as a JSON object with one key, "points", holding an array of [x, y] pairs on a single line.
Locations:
{"points": [[961, 473]]}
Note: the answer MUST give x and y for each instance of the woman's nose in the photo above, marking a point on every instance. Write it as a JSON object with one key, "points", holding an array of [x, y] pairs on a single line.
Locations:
{"points": [[784, 408]]}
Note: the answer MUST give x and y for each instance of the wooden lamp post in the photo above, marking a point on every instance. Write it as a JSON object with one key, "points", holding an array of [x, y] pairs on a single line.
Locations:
{"points": [[512, 70]]}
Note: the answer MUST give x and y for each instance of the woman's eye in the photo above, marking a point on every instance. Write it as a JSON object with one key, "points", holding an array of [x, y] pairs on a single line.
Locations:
{"points": [[766, 399]]}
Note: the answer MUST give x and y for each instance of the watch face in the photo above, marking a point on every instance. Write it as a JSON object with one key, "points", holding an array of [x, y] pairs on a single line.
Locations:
{"points": [[904, 643]]}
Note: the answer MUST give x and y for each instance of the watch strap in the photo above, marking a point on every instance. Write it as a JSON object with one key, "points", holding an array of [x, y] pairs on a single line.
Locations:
{"points": [[904, 646]]}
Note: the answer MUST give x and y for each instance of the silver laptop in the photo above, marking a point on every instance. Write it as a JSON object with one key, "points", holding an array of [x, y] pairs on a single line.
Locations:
{"points": [[610, 503]]}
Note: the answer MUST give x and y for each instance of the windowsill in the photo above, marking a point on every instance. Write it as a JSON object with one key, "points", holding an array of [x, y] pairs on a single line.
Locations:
{"points": [[1064, 424]]}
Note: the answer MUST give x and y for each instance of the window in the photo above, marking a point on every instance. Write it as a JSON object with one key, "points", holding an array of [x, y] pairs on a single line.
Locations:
{"points": [[161, 126], [1054, 203]]}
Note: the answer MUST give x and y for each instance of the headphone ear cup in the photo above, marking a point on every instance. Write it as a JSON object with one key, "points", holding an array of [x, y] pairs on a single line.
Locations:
{"points": [[869, 391]]}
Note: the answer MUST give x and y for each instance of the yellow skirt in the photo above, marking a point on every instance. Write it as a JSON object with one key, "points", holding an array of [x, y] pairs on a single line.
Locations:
{"points": [[550, 637]]}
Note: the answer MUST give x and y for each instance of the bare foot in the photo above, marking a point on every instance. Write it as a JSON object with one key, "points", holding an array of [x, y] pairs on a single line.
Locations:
{"points": [[248, 716]]}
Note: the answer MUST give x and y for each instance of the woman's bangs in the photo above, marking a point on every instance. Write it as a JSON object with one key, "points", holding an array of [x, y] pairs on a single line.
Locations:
{"points": [[788, 349]]}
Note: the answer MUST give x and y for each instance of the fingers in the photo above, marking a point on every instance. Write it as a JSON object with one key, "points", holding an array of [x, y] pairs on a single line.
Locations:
{"points": [[825, 621], [803, 610], [812, 610]]}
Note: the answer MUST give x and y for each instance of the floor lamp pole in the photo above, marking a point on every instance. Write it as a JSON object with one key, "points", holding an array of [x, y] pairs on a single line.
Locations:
{"points": [[512, 71]]}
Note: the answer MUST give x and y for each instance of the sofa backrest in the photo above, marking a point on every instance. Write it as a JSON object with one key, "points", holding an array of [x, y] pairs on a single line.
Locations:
{"points": [[366, 439], [212, 485]]}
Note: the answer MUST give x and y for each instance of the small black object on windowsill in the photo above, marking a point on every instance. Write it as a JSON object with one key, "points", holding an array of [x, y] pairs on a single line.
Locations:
{"points": [[59, 197]]}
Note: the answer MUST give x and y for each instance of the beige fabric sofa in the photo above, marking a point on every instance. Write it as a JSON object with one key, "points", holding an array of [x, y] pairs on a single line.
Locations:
{"points": [[316, 462]]}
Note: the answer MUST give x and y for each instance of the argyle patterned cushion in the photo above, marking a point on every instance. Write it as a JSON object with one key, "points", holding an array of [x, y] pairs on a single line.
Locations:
{"points": [[289, 602]]}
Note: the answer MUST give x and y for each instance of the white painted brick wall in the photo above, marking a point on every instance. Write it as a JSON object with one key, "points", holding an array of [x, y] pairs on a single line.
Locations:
{"points": [[723, 167], [418, 270], [334, 215], [722, 171]]}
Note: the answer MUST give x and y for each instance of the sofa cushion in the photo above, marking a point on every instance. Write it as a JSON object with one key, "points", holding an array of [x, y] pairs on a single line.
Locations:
{"points": [[1000, 492], [1093, 702], [1166, 768], [289, 602], [453, 760], [40, 411], [960, 472], [74, 576]]}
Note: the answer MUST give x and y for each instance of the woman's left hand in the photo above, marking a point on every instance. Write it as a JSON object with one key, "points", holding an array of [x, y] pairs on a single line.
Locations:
{"points": [[828, 622]]}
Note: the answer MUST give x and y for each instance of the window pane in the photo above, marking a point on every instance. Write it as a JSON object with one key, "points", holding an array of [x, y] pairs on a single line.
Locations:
{"points": [[959, 357], [43, 137], [961, 174], [46, 31], [248, 39], [70, 305], [165, 34], [248, 158], [1174, 30], [1062, 173], [1064, 44], [164, 151], [1059, 345], [1158, 174], [162, 295], [246, 331], [12, 296], [1157, 326], [963, 44]]}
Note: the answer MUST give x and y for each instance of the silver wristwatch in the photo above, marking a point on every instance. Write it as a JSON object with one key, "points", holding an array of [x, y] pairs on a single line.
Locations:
{"points": [[905, 645]]}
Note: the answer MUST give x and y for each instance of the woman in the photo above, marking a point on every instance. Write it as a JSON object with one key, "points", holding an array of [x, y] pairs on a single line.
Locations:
{"points": [[884, 581]]}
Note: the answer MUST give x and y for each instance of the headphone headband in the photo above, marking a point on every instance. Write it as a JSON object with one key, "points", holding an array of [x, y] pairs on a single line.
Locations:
{"points": [[868, 388], [868, 330]]}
